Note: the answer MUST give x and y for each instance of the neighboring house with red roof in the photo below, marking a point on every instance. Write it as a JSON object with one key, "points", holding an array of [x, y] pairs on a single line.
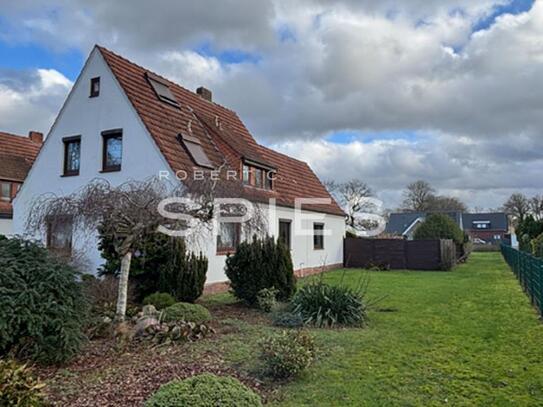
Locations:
{"points": [[122, 122], [17, 153]]}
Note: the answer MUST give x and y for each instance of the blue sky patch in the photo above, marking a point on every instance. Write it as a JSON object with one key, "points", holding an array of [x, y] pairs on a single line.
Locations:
{"points": [[228, 56], [33, 56], [349, 136], [513, 7]]}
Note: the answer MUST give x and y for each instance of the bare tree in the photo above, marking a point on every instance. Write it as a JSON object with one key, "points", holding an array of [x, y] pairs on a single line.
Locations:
{"points": [[517, 206], [536, 206], [417, 196], [128, 213], [353, 197], [442, 203]]}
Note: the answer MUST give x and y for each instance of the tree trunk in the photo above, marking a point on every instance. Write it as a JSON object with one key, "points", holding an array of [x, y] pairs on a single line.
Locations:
{"points": [[123, 287]]}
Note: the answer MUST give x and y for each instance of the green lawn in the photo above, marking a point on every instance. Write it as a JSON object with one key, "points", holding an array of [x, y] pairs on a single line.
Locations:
{"points": [[463, 338]]}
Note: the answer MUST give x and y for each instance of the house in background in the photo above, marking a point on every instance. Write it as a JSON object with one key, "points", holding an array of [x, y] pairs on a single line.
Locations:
{"points": [[122, 122], [483, 228], [404, 224], [17, 153], [487, 228]]}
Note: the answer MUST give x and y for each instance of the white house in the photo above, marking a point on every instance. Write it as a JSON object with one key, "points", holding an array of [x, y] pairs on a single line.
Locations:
{"points": [[122, 122]]}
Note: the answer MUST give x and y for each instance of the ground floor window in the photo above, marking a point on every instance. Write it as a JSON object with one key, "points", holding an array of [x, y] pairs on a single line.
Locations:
{"points": [[284, 231], [228, 237], [318, 236], [59, 235]]}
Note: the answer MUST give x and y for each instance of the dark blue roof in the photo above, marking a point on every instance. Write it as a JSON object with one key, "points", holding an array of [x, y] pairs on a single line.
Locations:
{"points": [[398, 222], [498, 220]]}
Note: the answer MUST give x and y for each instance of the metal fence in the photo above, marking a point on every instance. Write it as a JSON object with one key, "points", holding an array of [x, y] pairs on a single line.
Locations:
{"points": [[529, 272]]}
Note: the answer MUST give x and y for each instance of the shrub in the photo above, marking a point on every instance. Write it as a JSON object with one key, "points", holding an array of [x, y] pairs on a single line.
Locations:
{"points": [[162, 266], [204, 390], [159, 300], [18, 387], [288, 353], [183, 311], [267, 299], [527, 230], [325, 305], [42, 309], [261, 263], [101, 294], [537, 246], [439, 226], [184, 274]]}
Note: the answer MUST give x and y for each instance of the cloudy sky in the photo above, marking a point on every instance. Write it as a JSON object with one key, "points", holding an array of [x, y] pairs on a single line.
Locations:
{"points": [[450, 91]]}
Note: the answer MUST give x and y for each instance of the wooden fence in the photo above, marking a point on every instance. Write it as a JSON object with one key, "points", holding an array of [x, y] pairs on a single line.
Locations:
{"points": [[399, 254]]}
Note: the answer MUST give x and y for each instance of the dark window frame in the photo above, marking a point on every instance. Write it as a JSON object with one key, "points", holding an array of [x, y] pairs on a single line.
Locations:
{"points": [[221, 250], [66, 142], [107, 135], [94, 93], [10, 192], [288, 241], [195, 150], [156, 83], [318, 238]]}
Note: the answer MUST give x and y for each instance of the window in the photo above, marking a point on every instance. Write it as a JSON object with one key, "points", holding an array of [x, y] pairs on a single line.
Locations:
{"points": [[246, 174], [162, 89], [284, 232], [497, 237], [195, 150], [228, 237], [258, 177], [95, 87], [72, 155], [112, 153], [59, 235], [268, 180], [5, 191], [318, 236]]}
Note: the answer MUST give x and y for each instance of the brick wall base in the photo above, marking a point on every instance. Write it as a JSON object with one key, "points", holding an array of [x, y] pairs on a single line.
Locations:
{"points": [[224, 286]]}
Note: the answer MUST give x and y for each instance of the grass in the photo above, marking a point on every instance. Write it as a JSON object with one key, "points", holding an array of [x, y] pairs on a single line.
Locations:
{"points": [[461, 338]]}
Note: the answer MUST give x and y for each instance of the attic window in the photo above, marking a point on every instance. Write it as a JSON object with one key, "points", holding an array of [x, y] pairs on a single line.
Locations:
{"points": [[95, 87], [195, 150], [162, 90]]}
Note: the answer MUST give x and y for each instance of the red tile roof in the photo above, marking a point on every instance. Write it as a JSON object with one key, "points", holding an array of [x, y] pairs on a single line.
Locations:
{"points": [[222, 134], [17, 153]]}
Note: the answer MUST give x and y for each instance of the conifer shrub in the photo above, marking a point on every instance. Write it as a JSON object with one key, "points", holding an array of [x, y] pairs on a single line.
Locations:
{"points": [[204, 390], [42, 308], [258, 264], [537, 246], [439, 226]]}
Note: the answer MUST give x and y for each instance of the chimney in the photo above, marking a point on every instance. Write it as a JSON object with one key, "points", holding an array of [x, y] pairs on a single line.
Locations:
{"points": [[205, 93], [35, 136]]}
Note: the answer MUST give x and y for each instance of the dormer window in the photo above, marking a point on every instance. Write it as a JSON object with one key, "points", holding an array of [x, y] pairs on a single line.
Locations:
{"points": [[162, 89], [195, 150], [484, 224], [257, 177], [95, 87]]}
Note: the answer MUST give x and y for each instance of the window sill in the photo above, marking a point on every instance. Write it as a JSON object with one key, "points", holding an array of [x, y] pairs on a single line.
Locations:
{"points": [[225, 252], [318, 248], [116, 169], [70, 174]]}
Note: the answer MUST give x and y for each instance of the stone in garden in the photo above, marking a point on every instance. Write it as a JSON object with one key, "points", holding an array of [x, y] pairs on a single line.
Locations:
{"points": [[145, 324]]}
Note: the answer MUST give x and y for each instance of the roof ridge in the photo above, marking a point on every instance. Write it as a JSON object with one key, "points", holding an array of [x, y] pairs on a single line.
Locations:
{"points": [[102, 48]]}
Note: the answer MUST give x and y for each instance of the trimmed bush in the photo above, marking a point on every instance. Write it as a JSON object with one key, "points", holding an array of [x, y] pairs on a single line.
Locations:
{"points": [[261, 263], [18, 387], [266, 299], [325, 305], [42, 307], [159, 300], [439, 226], [183, 311], [288, 353], [204, 390]]}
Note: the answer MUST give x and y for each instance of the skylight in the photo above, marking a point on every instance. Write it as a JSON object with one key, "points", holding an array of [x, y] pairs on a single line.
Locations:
{"points": [[195, 150], [162, 90]]}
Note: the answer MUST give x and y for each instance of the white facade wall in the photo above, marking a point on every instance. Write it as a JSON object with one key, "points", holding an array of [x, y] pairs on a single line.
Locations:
{"points": [[141, 159]]}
